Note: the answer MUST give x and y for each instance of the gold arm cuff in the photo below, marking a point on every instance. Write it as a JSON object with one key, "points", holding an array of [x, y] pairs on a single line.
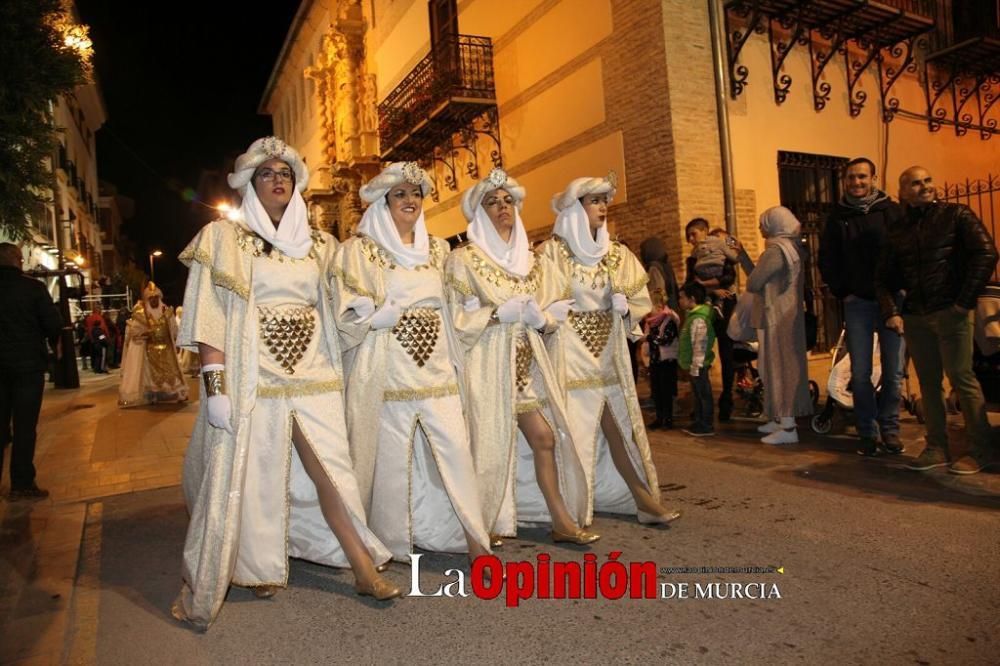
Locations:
{"points": [[215, 382]]}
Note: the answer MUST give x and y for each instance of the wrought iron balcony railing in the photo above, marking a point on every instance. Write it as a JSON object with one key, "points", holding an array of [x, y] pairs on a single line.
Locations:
{"points": [[447, 89]]}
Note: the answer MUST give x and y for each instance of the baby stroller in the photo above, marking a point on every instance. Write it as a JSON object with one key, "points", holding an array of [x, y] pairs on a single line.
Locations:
{"points": [[747, 383], [840, 398]]}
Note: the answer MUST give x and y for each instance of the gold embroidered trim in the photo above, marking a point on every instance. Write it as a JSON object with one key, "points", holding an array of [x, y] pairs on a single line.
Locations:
{"points": [[352, 285], [633, 289], [599, 275], [591, 382], [408, 395], [532, 405], [286, 333], [522, 361], [300, 389], [219, 278], [254, 245], [498, 277], [459, 286], [593, 328], [375, 254], [417, 332]]}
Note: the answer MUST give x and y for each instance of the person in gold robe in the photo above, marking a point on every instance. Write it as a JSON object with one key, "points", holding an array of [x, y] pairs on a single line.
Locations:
{"points": [[267, 475], [404, 405], [150, 373], [606, 287], [520, 437]]}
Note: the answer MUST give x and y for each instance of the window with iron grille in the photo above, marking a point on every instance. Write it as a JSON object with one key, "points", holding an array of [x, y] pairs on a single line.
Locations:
{"points": [[810, 187]]}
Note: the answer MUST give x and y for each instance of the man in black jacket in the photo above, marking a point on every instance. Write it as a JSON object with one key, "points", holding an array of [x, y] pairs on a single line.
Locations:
{"points": [[848, 252], [27, 318], [942, 256]]}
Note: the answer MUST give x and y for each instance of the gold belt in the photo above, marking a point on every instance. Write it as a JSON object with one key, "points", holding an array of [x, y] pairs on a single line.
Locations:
{"points": [[417, 331], [593, 328], [287, 332]]}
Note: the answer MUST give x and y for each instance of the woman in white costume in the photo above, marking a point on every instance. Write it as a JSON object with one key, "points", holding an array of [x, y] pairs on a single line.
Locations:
{"points": [[606, 289], [520, 439], [404, 410], [267, 475]]}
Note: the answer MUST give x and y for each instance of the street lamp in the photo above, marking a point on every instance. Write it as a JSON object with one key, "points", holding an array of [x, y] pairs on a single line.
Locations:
{"points": [[154, 253]]}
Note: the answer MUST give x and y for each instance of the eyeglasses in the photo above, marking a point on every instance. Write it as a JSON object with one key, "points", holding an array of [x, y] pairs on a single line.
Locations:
{"points": [[496, 201], [267, 175]]}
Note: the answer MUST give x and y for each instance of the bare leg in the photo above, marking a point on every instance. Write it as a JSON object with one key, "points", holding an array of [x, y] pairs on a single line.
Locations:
{"points": [[334, 511], [543, 445], [644, 499]]}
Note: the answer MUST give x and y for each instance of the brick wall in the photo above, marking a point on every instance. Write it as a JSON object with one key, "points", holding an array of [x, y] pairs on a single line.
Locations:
{"points": [[659, 90]]}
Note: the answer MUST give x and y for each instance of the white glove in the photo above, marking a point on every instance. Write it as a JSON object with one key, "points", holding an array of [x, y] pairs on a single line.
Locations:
{"points": [[363, 307], [510, 312], [694, 371], [220, 412], [532, 314], [386, 316], [619, 303], [560, 309], [471, 304]]}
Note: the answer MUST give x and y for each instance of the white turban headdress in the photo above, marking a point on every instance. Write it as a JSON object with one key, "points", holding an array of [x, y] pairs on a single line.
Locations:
{"points": [[514, 255], [572, 224], [376, 222], [260, 151], [292, 236]]}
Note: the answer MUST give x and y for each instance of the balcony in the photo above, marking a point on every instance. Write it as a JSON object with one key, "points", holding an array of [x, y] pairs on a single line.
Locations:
{"points": [[970, 40], [443, 94], [865, 32], [962, 70]]}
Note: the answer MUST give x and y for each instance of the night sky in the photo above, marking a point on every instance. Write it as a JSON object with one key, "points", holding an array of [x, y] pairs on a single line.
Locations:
{"points": [[182, 82]]}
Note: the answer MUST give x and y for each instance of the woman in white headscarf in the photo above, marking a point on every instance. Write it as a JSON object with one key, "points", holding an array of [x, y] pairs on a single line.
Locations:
{"points": [[404, 410], [267, 475], [598, 299], [517, 421], [777, 282]]}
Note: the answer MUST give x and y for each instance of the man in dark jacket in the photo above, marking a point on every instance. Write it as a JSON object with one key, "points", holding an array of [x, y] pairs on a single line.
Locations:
{"points": [[942, 256], [848, 253], [28, 317]]}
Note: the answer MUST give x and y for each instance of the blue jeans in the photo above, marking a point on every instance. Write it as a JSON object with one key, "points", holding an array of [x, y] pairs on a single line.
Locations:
{"points": [[873, 414], [701, 392]]}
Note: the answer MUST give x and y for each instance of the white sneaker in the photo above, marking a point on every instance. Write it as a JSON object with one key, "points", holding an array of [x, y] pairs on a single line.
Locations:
{"points": [[782, 437], [769, 427]]}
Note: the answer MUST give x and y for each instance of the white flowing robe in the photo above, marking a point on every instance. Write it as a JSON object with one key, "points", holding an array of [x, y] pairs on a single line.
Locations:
{"points": [[594, 368], [252, 504], [503, 458], [406, 426]]}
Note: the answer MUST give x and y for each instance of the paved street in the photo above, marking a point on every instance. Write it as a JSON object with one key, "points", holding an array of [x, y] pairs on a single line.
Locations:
{"points": [[880, 565]]}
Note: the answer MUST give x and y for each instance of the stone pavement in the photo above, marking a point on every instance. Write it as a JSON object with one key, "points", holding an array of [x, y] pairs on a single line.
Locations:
{"points": [[87, 575], [87, 449]]}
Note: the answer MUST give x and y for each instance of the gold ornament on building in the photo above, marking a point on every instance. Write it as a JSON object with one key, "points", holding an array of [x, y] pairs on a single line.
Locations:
{"points": [[286, 334], [593, 328], [417, 331]]}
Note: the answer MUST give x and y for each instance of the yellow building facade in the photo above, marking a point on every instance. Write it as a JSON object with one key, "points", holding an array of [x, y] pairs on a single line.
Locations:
{"points": [[557, 89]]}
